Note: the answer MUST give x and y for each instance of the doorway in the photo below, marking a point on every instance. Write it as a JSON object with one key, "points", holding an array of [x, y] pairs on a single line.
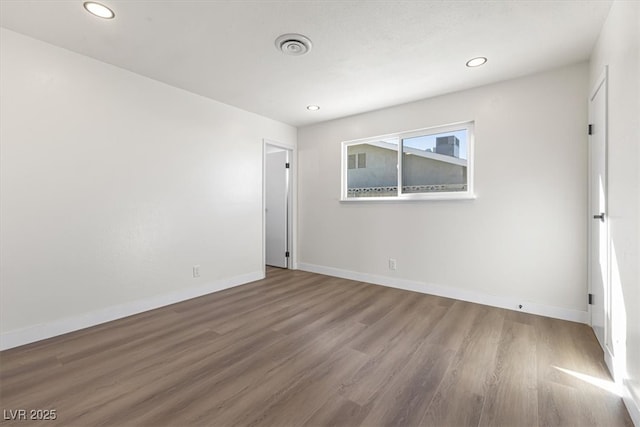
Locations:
{"points": [[278, 206], [599, 283]]}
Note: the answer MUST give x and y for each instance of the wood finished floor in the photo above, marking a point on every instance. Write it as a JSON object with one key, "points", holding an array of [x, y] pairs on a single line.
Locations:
{"points": [[300, 349]]}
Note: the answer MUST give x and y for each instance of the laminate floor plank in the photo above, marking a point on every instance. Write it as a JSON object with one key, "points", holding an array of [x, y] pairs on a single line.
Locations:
{"points": [[290, 304], [302, 349], [413, 387], [512, 397], [76, 341], [329, 312], [460, 397], [338, 411], [285, 357], [564, 355], [390, 358], [378, 335], [298, 368], [285, 352], [71, 383], [404, 400], [313, 308], [131, 398], [292, 407]]}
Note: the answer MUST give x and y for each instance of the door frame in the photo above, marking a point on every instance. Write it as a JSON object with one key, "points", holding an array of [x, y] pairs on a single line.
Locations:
{"points": [[292, 205], [601, 83]]}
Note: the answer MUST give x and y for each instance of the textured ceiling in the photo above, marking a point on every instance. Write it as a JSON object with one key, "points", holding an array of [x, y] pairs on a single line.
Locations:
{"points": [[366, 54]]}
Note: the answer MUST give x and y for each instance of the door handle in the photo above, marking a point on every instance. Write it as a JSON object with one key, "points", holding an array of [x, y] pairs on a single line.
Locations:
{"points": [[600, 217]]}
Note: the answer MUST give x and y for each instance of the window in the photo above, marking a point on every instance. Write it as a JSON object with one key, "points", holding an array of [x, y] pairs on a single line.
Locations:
{"points": [[434, 163], [358, 161]]}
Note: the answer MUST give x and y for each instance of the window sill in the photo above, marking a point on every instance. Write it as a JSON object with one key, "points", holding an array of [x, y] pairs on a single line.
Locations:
{"points": [[411, 198]]}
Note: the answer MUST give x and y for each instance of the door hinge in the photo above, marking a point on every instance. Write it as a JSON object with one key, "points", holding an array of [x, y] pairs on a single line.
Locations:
{"points": [[286, 254], [590, 129], [590, 299], [286, 165]]}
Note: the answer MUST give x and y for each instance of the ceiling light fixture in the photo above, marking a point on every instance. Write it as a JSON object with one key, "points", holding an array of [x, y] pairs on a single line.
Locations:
{"points": [[293, 44], [313, 107], [476, 62], [99, 10]]}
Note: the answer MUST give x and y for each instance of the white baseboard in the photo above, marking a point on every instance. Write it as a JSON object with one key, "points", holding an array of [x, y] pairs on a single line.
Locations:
{"points": [[609, 362], [455, 293], [631, 402], [58, 327]]}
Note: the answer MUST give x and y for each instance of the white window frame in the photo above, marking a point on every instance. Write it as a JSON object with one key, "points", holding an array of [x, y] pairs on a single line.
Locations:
{"points": [[449, 195]]}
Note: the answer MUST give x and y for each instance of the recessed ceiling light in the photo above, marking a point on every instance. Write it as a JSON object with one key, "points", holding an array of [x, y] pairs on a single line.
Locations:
{"points": [[99, 10], [313, 107], [476, 62], [293, 44]]}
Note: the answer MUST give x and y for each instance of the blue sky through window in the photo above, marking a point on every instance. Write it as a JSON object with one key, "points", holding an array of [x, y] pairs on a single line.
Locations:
{"points": [[428, 142]]}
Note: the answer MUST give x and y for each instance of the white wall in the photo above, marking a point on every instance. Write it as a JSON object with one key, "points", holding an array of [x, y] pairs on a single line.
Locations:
{"points": [[619, 47], [523, 240], [113, 186]]}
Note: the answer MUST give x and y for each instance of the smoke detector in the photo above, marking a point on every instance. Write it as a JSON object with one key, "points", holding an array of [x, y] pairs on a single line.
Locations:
{"points": [[293, 44]]}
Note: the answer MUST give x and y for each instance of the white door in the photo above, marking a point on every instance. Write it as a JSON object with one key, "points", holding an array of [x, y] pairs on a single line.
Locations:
{"points": [[598, 220], [276, 207]]}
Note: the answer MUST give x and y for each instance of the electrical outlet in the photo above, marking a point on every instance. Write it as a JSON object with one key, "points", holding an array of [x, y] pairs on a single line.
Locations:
{"points": [[393, 264], [196, 271]]}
